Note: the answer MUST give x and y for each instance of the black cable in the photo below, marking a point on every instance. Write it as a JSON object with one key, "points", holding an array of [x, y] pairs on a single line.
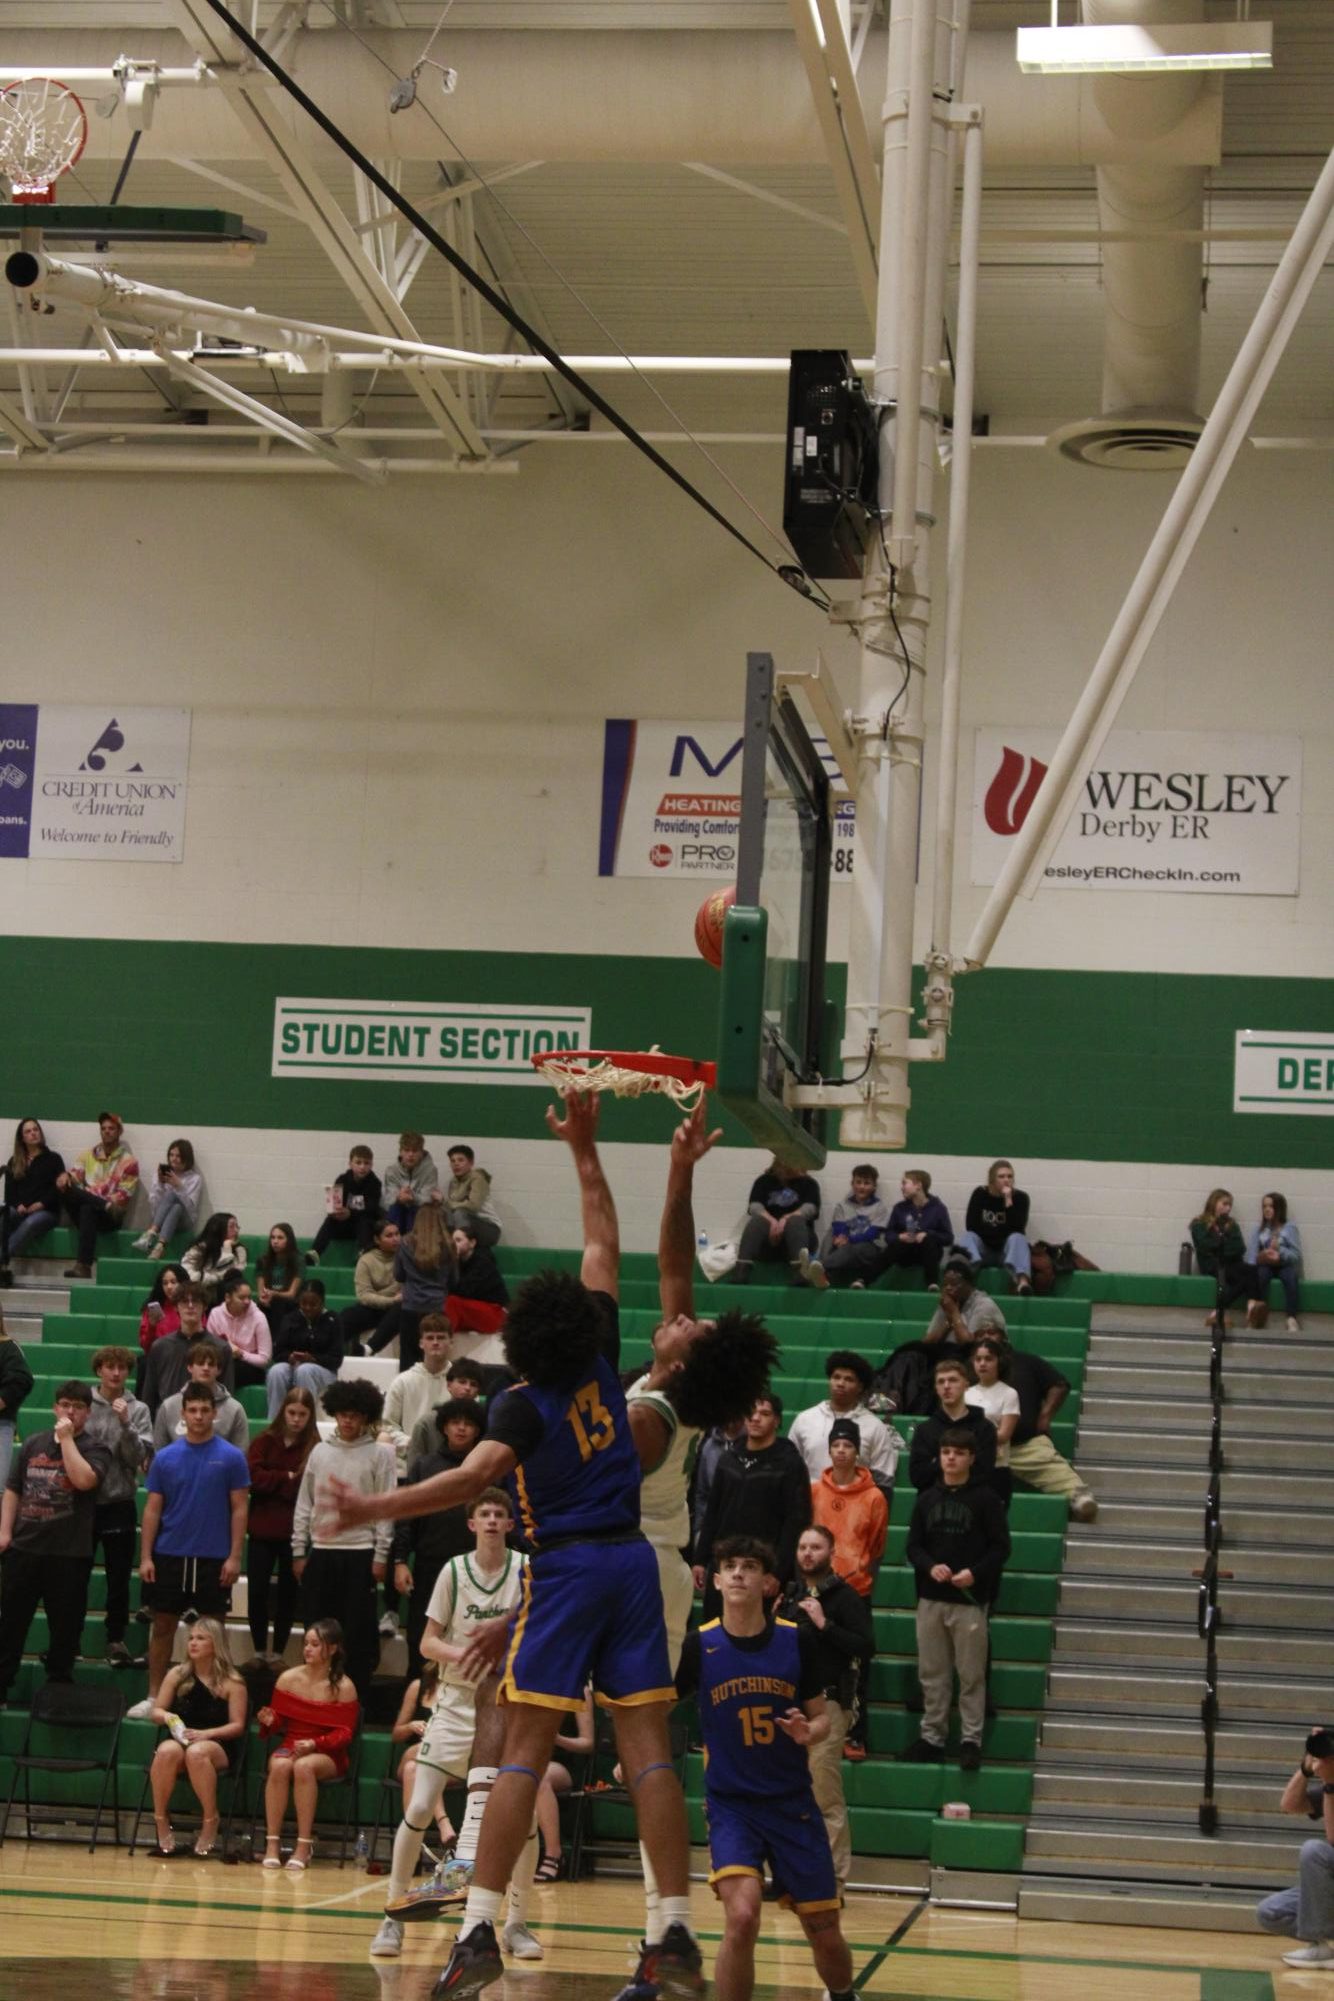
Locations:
{"points": [[125, 166], [790, 573]]}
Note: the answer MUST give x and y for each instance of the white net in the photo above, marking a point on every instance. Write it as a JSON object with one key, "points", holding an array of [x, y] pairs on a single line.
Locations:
{"points": [[600, 1073], [42, 133]]}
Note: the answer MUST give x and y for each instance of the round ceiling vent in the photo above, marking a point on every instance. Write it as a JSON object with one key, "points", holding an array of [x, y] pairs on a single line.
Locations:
{"points": [[1129, 443]]}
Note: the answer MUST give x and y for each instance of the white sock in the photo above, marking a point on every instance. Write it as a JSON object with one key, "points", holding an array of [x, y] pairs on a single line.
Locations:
{"points": [[480, 1781], [673, 1911], [521, 1882], [652, 1901], [482, 1908], [427, 1787]]}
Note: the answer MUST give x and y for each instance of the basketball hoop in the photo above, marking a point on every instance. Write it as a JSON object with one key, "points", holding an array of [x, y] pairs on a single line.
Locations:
{"points": [[43, 130], [627, 1073]]}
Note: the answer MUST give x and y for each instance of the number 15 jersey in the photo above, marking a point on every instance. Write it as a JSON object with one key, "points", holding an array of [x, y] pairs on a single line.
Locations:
{"points": [[742, 1685]]}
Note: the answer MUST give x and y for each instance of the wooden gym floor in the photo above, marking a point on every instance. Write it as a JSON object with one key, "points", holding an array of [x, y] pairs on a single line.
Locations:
{"points": [[202, 1931]]}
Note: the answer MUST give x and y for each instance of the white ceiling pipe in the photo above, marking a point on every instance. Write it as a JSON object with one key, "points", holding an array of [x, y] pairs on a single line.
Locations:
{"points": [[738, 97], [1151, 287]]}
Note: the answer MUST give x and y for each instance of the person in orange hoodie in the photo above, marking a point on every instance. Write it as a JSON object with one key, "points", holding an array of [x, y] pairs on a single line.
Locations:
{"points": [[846, 1500]]}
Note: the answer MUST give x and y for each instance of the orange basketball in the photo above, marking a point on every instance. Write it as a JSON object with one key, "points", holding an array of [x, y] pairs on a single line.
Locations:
{"points": [[709, 924]]}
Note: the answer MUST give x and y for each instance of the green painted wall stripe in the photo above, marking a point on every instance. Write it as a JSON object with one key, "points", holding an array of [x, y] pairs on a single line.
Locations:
{"points": [[1068, 1065]]}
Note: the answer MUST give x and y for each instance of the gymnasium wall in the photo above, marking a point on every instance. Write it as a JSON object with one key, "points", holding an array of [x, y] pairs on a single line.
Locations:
{"points": [[397, 706]]}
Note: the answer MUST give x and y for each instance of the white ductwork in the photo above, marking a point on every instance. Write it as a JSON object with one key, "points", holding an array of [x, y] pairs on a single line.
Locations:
{"points": [[726, 97]]}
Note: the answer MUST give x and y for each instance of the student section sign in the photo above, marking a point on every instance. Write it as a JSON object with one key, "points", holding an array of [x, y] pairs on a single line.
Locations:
{"points": [[443, 1042], [93, 784], [1289, 1073]]}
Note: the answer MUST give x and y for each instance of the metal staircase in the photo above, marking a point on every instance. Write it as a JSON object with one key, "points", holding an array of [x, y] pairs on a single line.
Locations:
{"points": [[1114, 1834]]}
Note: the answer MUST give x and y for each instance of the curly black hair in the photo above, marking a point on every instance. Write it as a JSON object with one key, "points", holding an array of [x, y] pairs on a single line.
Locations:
{"points": [[725, 1371], [555, 1330], [357, 1394], [848, 1358]]}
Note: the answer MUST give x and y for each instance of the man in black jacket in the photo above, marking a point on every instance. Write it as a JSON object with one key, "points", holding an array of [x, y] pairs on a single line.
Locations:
{"points": [[840, 1621], [958, 1542], [760, 1488], [951, 1381], [423, 1544]]}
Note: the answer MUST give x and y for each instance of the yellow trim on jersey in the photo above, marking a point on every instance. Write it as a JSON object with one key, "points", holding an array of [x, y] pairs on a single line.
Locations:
{"points": [[710, 1625], [521, 1620], [509, 1693], [791, 1624], [528, 1518], [814, 1904], [735, 1869]]}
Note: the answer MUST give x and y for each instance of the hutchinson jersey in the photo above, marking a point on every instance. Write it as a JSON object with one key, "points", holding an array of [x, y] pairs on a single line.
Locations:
{"points": [[578, 1474], [465, 1598], [663, 1513], [742, 1685]]}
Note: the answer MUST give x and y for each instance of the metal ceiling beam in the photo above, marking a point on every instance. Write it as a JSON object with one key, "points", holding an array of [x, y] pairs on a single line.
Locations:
{"points": [[834, 119], [253, 104], [272, 421], [25, 435]]}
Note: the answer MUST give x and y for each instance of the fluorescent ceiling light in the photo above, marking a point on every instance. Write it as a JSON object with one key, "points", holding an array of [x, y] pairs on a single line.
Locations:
{"points": [[1133, 50]]}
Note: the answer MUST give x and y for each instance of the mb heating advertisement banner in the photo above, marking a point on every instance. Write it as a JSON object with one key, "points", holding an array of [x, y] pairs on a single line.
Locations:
{"points": [[93, 784], [1173, 811]]}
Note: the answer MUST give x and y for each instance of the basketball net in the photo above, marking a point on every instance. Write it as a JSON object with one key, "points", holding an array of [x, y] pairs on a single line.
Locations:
{"points": [[620, 1073], [43, 130]]}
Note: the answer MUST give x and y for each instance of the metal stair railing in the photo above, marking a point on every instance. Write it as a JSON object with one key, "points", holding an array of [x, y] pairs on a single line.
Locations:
{"points": [[1208, 1616]]}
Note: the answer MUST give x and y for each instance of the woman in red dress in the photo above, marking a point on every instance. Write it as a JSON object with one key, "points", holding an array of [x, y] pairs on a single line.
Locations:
{"points": [[315, 1708]]}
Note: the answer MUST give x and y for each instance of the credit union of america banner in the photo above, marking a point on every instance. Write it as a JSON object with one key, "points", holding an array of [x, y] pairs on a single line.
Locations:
{"points": [[93, 784]]}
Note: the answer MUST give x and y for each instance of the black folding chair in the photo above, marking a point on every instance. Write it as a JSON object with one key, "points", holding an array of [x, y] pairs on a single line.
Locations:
{"points": [[62, 1712], [388, 1811], [234, 1780], [596, 1783], [350, 1786]]}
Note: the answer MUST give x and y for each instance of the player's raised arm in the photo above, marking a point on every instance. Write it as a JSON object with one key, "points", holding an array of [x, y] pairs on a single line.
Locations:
{"points": [[676, 1234], [576, 1122], [485, 1466]]}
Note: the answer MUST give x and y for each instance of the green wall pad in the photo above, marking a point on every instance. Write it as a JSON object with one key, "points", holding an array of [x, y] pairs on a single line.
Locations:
{"points": [[977, 1844]]}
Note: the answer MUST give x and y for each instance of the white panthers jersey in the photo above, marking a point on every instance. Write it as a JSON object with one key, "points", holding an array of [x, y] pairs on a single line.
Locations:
{"points": [[664, 1516], [465, 1598]]}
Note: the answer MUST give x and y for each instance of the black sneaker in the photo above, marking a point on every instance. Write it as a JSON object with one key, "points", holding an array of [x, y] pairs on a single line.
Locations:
{"points": [[923, 1753], [474, 1963], [970, 1756], [673, 1965], [638, 1989]]}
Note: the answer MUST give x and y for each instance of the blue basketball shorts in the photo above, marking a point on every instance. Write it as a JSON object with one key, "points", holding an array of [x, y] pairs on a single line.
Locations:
{"points": [[589, 1611], [789, 1834]]}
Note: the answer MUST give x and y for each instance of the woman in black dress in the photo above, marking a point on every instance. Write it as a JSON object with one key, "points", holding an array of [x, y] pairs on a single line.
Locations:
{"points": [[202, 1706]]}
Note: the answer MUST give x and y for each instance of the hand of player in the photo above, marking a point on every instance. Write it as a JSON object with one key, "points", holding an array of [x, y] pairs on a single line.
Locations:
{"points": [[486, 1649], [692, 1138], [344, 1508], [814, 1611], [579, 1125], [796, 1724], [962, 1580], [941, 1573]]}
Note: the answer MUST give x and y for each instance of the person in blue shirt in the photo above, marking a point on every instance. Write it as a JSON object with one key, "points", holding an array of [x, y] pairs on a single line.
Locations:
{"points": [[592, 1604], [760, 1695]]}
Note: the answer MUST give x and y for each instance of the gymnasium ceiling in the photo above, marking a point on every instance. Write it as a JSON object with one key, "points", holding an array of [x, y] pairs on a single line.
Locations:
{"points": [[654, 258]]}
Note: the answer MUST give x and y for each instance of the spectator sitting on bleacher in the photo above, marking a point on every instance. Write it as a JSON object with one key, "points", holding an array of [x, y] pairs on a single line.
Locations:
{"points": [[167, 1367], [957, 1545], [417, 1391], [46, 1537], [378, 1291], [852, 1248], [465, 1382], [780, 1225], [229, 1419], [15, 1385], [307, 1349], [277, 1460], [160, 1316], [192, 1531], [341, 1567], [478, 1295], [952, 1413], [356, 1197], [919, 1231], [279, 1270], [994, 1393], [30, 1198], [1034, 1460], [217, 1251], [996, 1224], [1220, 1253], [244, 1328], [423, 1544], [468, 1198], [849, 1377], [1306, 1910], [122, 1424], [412, 1181], [1275, 1249], [905, 1382], [98, 1190], [202, 1706], [173, 1201], [424, 1267]]}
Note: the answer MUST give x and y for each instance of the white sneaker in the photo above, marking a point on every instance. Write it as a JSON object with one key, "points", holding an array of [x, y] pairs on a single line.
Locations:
{"points": [[389, 1626], [388, 1941], [519, 1943], [1083, 1506], [145, 1242], [1294, 1325], [1319, 1954], [138, 1712]]}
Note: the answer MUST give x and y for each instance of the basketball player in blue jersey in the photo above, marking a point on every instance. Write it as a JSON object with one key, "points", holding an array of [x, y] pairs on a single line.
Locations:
{"points": [[592, 1603], [761, 1702]]}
